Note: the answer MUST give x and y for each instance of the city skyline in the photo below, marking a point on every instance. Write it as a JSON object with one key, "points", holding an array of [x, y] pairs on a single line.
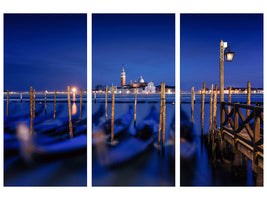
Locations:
{"points": [[200, 36], [45, 51], [143, 43]]}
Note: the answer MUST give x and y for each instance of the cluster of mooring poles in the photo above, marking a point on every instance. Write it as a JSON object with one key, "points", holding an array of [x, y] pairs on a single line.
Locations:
{"points": [[161, 133], [245, 142], [33, 102]]}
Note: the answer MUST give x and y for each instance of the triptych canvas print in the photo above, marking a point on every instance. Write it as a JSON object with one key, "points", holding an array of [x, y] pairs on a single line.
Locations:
{"points": [[138, 115]]}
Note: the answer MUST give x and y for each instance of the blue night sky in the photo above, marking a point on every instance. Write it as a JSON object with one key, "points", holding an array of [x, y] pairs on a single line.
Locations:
{"points": [[200, 39], [144, 43], [46, 51]]}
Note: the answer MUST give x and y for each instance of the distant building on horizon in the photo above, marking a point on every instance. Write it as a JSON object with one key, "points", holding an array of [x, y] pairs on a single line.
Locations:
{"points": [[123, 77], [141, 85]]}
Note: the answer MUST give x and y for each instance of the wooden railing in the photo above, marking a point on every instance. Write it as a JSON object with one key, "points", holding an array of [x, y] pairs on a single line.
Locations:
{"points": [[244, 133]]}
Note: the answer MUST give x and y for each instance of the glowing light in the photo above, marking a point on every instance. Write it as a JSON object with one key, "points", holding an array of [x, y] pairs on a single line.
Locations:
{"points": [[74, 89]]}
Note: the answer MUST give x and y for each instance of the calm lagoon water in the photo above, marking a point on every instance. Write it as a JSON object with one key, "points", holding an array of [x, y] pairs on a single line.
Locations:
{"points": [[20, 169], [205, 175], [148, 169]]}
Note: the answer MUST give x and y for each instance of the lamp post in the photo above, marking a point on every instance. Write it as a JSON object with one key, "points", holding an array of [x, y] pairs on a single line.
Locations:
{"points": [[225, 53]]}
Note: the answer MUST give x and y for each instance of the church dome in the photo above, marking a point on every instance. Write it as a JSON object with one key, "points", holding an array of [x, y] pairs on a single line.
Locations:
{"points": [[141, 80]]}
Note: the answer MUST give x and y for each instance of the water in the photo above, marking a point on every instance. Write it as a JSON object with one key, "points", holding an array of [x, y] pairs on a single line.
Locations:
{"points": [[205, 175], [49, 158], [149, 168]]}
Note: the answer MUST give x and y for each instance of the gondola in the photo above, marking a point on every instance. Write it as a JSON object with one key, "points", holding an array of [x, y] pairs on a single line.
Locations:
{"points": [[138, 141], [188, 157], [102, 133], [96, 117]]}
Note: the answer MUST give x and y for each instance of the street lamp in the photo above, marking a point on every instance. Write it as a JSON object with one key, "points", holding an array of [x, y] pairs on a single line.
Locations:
{"points": [[228, 55], [225, 53]]}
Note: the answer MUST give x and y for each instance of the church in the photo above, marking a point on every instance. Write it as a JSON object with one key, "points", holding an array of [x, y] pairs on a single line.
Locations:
{"points": [[142, 86]]}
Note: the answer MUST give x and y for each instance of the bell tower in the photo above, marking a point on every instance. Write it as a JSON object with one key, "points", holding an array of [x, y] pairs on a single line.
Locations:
{"points": [[123, 77]]}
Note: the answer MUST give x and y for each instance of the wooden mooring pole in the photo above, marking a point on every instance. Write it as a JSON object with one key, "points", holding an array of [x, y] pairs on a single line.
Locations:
{"points": [[81, 100], [112, 114], [135, 102], [45, 101], [55, 104], [95, 96], [21, 97], [214, 114], [106, 105], [69, 108], [230, 100], [162, 118], [180, 97], [34, 103], [202, 107], [31, 109], [248, 98], [211, 94], [7, 101], [192, 104]]}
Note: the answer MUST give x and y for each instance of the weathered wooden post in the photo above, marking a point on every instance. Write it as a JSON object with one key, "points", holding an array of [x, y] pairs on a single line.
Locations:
{"points": [[81, 100], [31, 109], [163, 115], [256, 169], [112, 114], [202, 107], [160, 117], [21, 97], [214, 114], [106, 104], [248, 98], [230, 100], [221, 82], [55, 104], [45, 101], [69, 107], [135, 102], [7, 101], [238, 157], [34, 103], [192, 104], [180, 97], [211, 93], [95, 96]]}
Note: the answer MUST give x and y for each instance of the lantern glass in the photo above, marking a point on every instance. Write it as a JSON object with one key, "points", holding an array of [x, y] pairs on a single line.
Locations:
{"points": [[229, 56]]}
